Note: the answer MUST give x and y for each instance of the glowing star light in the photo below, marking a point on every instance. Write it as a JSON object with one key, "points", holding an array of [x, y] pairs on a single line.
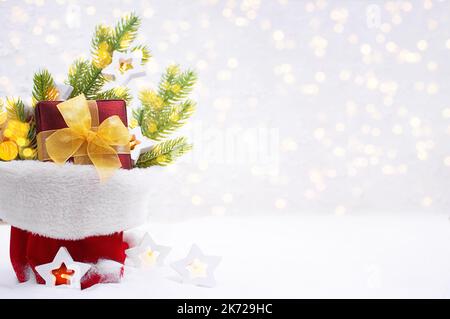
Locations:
{"points": [[63, 270], [147, 253], [125, 67], [139, 143], [197, 268]]}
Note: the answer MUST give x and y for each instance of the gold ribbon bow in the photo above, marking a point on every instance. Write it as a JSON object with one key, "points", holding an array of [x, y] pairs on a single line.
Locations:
{"points": [[80, 138]]}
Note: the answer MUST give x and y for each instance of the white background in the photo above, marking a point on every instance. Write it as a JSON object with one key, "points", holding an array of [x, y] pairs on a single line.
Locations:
{"points": [[350, 99], [335, 109]]}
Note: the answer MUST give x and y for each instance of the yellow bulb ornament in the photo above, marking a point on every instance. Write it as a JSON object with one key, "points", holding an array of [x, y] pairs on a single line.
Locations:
{"points": [[17, 131], [27, 153], [14, 140], [8, 151]]}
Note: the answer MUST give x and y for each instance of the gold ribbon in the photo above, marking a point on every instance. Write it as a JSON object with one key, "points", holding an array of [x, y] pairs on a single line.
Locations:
{"points": [[83, 140]]}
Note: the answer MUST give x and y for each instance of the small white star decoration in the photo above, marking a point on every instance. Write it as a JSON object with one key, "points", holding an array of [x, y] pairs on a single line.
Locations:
{"points": [[139, 143], [197, 268], [125, 67], [147, 253], [63, 271], [64, 91]]}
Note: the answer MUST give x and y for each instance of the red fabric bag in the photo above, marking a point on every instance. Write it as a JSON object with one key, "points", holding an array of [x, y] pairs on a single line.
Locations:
{"points": [[29, 250]]}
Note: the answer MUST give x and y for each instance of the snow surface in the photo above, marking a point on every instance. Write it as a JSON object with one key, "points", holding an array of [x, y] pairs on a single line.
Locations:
{"points": [[284, 257]]}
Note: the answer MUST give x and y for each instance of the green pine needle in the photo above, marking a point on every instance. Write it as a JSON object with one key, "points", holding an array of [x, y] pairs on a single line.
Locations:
{"points": [[172, 118], [125, 32], [164, 153], [32, 137], [168, 109], [85, 78], [138, 115], [102, 34], [175, 86], [44, 87], [119, 93], [146, 55], [16, 109]]}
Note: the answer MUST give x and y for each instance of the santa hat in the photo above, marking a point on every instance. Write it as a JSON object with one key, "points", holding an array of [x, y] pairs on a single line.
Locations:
{"points": [[51, 206]]}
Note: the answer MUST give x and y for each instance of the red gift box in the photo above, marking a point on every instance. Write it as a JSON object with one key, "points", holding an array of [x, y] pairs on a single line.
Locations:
{"points": [[28, 250], [48, 118]]}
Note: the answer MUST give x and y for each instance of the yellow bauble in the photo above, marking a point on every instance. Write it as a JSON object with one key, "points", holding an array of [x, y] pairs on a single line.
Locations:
{"points": [[27, 153], [17, 131], [8, 151]]}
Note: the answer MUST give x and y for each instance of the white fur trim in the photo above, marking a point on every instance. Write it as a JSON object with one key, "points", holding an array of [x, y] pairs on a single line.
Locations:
{"points": [[69, 201], [109, 270]]}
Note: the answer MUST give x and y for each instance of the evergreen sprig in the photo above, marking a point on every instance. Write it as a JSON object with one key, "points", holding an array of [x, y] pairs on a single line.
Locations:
{"points": [[119, 93], [168, 109], [162, 111], [164, 153], [43, 87], [175, 85], [33, 141], [125, 32], [85, 78], [146, 54], [102, 34], [16, 109]]}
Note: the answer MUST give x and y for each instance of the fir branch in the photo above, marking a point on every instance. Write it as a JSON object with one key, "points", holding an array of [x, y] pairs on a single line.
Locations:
{"points": [[119, 93], [167, 121], [32, 134], [168, 109], [102, 34], [138, 115], [85, 78], [186, 82], [175, 86], [146, 55], [164, 153], [44, 87], [77, 71], [125, 32], [16, 109], [33, 141], [101, 50], [94, 82]]}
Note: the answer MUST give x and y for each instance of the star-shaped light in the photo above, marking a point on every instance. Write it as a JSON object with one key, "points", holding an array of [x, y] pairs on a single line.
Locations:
{"points": [[147, 253], [63, 275], [139, 143], [63, 270], [125, 67], [197, 268]]}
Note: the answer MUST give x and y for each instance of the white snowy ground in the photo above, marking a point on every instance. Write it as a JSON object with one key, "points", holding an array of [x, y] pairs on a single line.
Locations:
{"points": [[285, 257]]}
